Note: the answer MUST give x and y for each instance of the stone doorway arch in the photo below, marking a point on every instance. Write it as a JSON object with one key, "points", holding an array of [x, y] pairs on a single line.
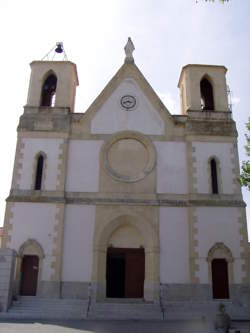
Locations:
{"points": [[29, 248], [147, 237]]}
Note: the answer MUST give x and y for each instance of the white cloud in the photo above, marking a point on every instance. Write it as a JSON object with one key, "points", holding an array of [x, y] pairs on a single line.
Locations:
{"points": [[170, 102], [235, 100]]}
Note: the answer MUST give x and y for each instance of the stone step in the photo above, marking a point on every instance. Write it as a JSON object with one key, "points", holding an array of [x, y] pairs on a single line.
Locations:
{"points": [[36, 307], [107, 310], [176, 310]]}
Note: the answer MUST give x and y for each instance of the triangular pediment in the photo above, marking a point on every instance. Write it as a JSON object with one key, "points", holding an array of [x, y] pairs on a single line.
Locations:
{"points": [[146, 113]]}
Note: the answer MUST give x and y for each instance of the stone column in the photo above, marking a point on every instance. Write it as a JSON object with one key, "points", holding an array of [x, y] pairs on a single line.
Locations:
{"points": [[7, 268]]}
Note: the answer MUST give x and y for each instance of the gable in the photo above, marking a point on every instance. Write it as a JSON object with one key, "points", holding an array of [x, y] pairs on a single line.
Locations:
{"points": [[106, 114], [113, 117]]}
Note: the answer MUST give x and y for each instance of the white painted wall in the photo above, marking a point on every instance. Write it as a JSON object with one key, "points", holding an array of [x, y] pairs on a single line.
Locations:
{"points": [[113, 118], [32, 146], [174, 250], [171, 167], [83, 166], [218, 224], [35, 221], [205, 150], [78, 243]]}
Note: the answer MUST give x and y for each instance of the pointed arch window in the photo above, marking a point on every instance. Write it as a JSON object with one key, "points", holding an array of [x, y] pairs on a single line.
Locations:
{"points": [[39, 172], [49, 91], [207, 96], [214, 176]]}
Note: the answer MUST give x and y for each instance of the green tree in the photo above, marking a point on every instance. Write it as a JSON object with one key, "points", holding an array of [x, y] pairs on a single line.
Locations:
{"points": [[245, 168]]}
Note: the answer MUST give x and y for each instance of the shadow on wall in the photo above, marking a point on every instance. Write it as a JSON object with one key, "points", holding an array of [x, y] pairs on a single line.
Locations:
{"points": [[1, 236]]}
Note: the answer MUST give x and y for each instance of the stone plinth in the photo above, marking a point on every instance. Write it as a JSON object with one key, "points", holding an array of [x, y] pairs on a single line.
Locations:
{"points": [[7, 267]]}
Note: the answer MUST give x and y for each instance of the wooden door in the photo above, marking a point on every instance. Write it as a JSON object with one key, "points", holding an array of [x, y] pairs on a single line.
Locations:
{"points": [[135, 273], [220, 278], [125, 273], [115, 273], [29, 275]]}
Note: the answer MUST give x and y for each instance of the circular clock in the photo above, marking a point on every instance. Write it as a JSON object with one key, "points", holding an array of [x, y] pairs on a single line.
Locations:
{"points": [[128, 102]]}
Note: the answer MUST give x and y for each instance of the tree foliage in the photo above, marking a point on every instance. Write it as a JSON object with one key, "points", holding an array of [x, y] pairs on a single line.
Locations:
{"points": [[245, 168]]}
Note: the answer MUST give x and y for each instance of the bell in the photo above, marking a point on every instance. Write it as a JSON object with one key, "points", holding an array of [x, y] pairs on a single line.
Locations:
{"points": [[59, 48]]}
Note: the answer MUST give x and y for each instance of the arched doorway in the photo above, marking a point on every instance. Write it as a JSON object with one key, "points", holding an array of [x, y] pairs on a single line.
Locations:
{"points": [[29, 268], [119, 244], [220, 279], [29, 275], [125, 272], [220, 262]]}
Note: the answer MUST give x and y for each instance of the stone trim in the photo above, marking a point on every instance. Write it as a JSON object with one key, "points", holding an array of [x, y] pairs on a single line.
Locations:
{"points": [[193, 170], [235, 168], [145, 221], [218, 172], [62, 165], [42, 135], [44, 171], [7, 228], [144, 140], [131, 71], [221, 251], [193, 246], [190, 167], [88, 198], [209, 138], [18, 164], [30, 247], [57, 252], [244, 245], [35, 245]]}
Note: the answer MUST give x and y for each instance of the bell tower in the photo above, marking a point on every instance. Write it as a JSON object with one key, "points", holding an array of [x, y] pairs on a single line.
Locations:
{"points": [[52, 85], [203, 88]]}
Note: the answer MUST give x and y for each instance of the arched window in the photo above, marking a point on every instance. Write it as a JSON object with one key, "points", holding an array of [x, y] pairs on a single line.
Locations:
{"points": [[207, 97], [39, 172], [49, 91], [214, 178]]}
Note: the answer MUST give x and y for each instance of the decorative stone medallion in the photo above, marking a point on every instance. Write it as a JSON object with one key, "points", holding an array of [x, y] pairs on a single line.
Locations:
{"points": [[128, 102], [129, 156]]}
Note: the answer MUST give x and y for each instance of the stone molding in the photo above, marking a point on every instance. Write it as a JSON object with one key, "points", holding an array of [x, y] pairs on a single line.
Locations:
{"points": [[34, 244], [221, 251], [18, 164], [144, 140], [175, 200], [145, 221], [244, 245], [57, 252], [193, 246], [62, 165], [29, 247], [7, 225]]}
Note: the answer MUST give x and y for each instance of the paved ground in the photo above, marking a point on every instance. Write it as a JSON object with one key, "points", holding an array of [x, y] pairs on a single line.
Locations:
{"points": [[107, 327]]}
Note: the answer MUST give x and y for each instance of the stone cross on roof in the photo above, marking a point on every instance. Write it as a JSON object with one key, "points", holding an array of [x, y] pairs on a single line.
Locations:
{"points": [[129, 48]]}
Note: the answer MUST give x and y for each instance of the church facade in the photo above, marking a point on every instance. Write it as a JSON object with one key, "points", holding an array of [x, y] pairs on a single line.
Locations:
{"points": [[127, 200]]}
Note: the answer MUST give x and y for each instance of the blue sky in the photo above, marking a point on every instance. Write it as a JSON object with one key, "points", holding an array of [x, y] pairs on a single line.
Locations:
{"points": [[167, 34]]}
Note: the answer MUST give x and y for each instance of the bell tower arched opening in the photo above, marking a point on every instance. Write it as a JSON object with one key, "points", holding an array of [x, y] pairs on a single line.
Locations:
{"points": [[207, 97], [49, 91]]}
